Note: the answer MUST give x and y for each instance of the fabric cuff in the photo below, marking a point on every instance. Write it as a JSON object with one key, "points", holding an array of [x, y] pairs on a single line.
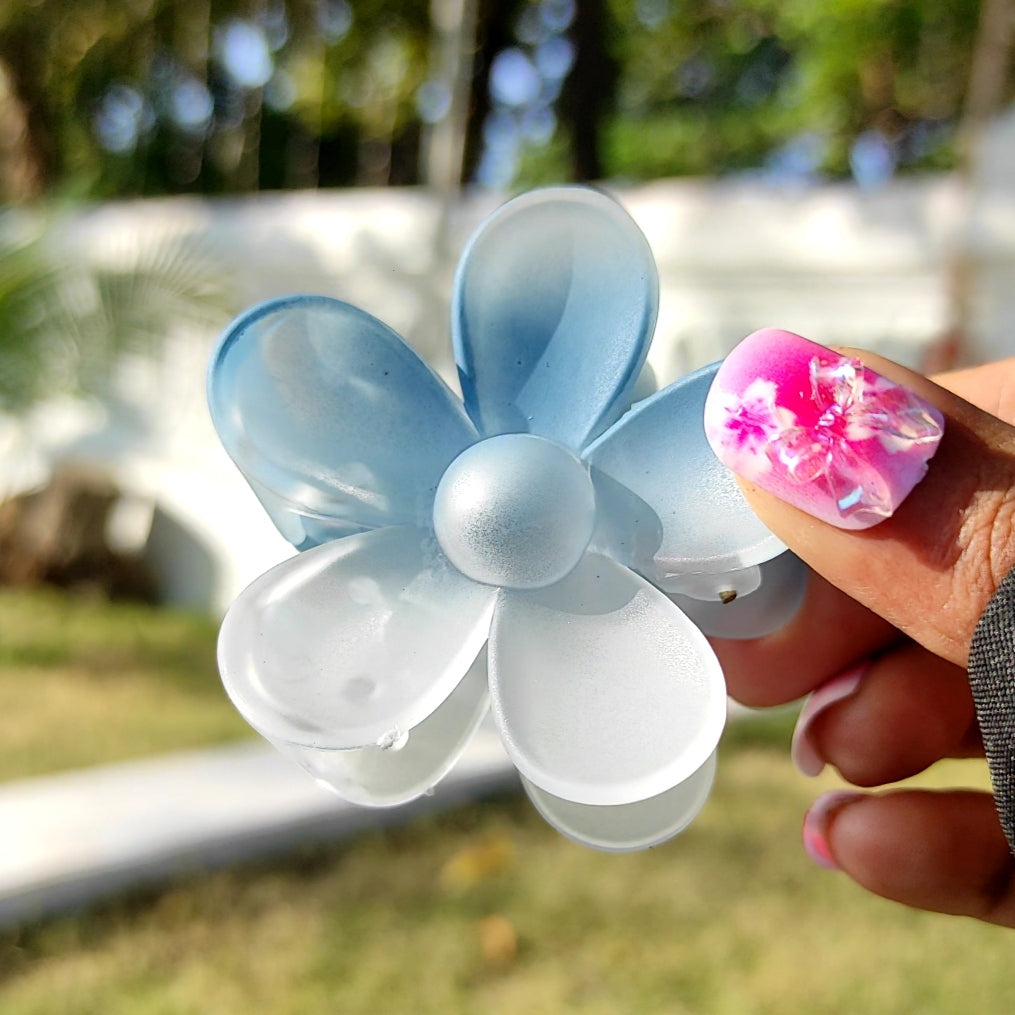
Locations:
{"points": [[992, 678]]}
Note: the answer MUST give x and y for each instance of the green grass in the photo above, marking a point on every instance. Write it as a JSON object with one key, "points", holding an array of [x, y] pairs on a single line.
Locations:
{"points": [[85, 682], [486, 910], [481, 911]]}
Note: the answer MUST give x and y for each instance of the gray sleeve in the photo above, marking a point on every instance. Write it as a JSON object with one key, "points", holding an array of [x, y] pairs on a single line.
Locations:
{"points": [[992, 678]]}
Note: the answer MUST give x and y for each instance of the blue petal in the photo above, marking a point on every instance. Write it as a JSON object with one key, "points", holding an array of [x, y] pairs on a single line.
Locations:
{"points": [[668, 507], [335, 422], [554, 307]]}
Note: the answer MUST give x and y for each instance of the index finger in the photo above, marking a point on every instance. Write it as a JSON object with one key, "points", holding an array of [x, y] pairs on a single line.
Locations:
{"points": [[941, 544]]}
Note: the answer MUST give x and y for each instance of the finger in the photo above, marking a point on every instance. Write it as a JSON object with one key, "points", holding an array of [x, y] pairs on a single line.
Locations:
{"points": [[931, 566], [888, 719], [990, 387], [943, 851], [829, 633]]}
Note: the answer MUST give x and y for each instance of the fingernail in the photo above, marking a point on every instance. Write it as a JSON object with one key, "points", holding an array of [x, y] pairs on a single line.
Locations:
{"points": [[803, 750], [817, 822], [819, 430]]}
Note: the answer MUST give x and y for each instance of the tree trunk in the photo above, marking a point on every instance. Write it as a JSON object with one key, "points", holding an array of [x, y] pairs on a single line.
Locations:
{"points": [[20, 170], [988, 74], [590, 89], [494, 32], [453, 31]]}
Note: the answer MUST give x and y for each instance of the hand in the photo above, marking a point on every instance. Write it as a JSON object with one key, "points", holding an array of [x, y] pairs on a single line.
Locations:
{"points": [[883, 639]]}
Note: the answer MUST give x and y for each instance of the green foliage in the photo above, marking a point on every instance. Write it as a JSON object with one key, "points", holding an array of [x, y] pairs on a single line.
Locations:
{"points": [[30, 345], [688, 145], [878, 63], [701, 86], [102, 82], [742, 78], [65, 319]]}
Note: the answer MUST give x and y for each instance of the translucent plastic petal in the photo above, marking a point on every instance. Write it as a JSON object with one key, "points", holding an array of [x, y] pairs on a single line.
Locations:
{"points": [[769, 607], [628, 827], [604, 691], [387, 776], [336, 423], [668, 506], [352, 643], [554, 306]]}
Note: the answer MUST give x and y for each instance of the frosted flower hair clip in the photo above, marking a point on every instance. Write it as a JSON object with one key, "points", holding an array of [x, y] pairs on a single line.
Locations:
{"points": [[541, 547]]}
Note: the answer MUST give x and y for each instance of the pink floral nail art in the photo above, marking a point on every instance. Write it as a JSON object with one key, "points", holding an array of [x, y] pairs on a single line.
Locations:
{"points": [[819, 430]]}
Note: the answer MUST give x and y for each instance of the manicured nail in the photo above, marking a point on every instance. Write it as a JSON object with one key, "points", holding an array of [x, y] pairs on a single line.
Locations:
{"points": [[816, 825], [819, 430], [803, 750]]}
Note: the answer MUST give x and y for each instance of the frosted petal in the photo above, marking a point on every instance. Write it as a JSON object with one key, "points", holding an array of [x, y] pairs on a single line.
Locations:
{"points": [[385, 777], [779, 594], [354, 642], [604, 691], [335, 422], [669, 507], [554, 306], [627, 827]]}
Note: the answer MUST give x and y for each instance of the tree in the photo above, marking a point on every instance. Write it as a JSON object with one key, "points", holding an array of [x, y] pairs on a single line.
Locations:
{"points": [[156, 96], [590, 89], [710, 86], [113, 97]]}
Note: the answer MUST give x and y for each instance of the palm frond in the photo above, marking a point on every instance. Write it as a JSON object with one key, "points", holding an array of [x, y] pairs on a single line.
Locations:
{"points": [[66, 318]]}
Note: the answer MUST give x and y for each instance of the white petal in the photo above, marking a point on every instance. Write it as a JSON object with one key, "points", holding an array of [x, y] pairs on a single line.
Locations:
{"points": [[604, 691], [384, 777], [354, 642], [755, 613], [627, 827]]}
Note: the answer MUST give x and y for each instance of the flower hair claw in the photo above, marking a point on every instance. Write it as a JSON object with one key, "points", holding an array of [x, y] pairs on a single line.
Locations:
{"points": [[541, 547]]}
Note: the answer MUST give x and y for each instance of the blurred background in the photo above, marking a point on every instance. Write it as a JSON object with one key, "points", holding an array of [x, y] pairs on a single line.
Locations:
{"points": [[843, 168]]}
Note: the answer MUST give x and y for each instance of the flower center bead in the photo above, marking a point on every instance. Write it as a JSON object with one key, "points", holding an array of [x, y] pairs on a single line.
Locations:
{"points": [[516, 511]]}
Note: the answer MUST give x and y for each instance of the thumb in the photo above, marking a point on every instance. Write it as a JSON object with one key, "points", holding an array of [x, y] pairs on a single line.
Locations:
{"points": [[894, 489]]}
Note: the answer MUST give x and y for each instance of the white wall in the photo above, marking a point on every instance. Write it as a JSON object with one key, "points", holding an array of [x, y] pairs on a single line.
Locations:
{"points": [[837, 264]]}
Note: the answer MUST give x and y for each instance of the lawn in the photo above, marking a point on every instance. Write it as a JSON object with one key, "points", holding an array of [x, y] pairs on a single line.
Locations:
{"points": [[485, 910], [84, 682]]}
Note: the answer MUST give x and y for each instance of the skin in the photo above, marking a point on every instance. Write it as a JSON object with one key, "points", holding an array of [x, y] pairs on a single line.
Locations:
{"points": [[905, 594]]}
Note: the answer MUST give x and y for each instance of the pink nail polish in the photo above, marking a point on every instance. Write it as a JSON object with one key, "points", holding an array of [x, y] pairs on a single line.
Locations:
{"points": [[816, 822], [819, 430], [803, 750]]}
